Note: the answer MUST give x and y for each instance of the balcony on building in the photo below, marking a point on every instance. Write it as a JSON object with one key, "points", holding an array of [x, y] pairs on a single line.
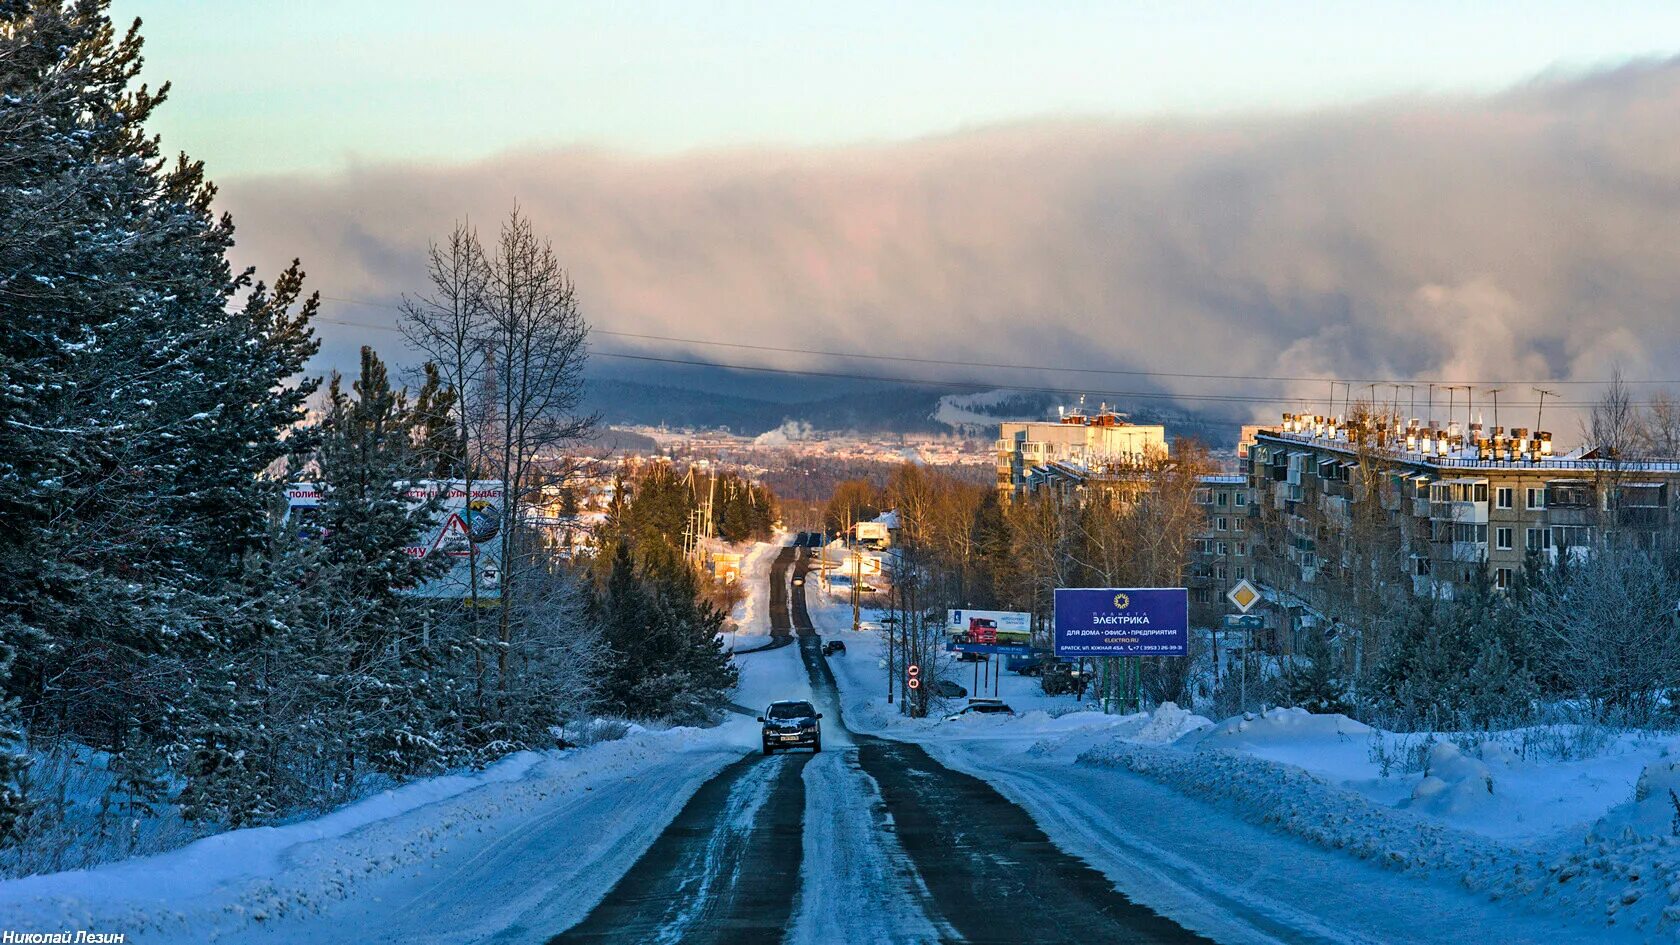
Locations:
{"points": [[1571, 502]]}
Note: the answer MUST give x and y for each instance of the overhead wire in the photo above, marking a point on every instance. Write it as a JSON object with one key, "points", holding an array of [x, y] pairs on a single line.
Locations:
{"points": [[991, 384]]}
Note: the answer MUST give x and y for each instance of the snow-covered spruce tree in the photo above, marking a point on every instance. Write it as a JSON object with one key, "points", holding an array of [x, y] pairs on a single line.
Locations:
{"points": [[1456, 664], [665, 656], [370, 629], [138, 406], [1314, 681]]}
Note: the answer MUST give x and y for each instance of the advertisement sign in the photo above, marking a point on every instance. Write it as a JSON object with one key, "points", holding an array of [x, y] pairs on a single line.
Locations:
{"points": [[1001, 649], [988, 627], [465, 529], [1122, 621]]}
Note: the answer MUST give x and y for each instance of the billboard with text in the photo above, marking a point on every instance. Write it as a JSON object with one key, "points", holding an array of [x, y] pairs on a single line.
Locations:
{"points": [[1122, 621]]}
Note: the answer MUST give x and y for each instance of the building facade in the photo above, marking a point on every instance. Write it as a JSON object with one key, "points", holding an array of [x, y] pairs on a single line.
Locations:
{"points": [[1435, 509], [1221, 554], [1032, 455]]}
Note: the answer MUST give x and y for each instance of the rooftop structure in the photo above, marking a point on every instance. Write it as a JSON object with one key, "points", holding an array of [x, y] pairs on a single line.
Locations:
{"points": [[1034, 453]]}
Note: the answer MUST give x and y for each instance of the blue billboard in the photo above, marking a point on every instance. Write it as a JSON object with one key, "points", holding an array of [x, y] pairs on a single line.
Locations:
{"points": [[1122, 621]]}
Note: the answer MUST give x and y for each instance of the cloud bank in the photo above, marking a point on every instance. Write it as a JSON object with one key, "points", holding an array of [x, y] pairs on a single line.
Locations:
{"points": [[1533, 234]]}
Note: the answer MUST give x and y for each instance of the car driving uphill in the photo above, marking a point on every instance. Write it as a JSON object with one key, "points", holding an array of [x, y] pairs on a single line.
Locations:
{"points": [[791, 725]]}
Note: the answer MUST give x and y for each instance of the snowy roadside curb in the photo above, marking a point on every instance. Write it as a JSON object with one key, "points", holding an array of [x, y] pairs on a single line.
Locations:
{"points": [[238, 883], [1631, 883]]}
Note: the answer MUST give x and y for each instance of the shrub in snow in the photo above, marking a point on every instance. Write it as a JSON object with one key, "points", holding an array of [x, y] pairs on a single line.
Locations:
{"points": [[1453, 782]]}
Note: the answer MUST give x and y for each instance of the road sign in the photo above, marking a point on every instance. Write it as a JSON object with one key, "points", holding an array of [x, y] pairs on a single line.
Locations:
{"points": [[1244, 595], [915, 683], [1244, 622], [914, 670], [1113, 621]]}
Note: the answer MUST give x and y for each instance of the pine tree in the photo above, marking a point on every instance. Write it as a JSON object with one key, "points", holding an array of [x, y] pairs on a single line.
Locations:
{"points": [[141, 400], [1314, 681]]}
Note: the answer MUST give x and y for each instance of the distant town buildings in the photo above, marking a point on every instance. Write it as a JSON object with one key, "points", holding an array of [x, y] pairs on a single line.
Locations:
{"points": [[1034, 455]]}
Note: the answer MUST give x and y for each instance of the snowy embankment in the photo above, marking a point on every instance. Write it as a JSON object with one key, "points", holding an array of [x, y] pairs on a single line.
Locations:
{"points": [[751, 617], [1285, 827], [1457, 821], [531, 841], [517, 851]]}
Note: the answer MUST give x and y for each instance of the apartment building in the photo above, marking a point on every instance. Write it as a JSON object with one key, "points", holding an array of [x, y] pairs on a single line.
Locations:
{"points": [[1433, 506], [1221, 554], [1034, 455]]}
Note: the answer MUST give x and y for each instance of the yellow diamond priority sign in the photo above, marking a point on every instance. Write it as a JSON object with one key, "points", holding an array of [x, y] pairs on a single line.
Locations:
{"points": [[1244, 595]]}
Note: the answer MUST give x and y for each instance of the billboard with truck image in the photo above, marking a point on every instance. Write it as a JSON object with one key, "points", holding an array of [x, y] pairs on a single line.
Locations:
{"points": [[988, 631]]}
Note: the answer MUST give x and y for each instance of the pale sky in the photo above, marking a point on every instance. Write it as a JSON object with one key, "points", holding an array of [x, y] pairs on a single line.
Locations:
{"points": [[308, 85]]}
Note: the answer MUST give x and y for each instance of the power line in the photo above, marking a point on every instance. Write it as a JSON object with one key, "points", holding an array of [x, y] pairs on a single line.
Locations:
{"points": [[1230, 398]]}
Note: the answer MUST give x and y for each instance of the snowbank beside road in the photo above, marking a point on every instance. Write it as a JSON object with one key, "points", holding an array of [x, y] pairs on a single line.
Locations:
{"points": [[1347, 854], [752, 615], [448, 859]]}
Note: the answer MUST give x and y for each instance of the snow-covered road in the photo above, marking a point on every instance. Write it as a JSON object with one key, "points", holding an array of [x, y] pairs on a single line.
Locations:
{"points": [[899, 831]]}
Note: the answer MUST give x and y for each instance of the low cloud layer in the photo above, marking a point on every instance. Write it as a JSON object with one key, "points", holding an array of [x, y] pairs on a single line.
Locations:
{"points": [[1534, 234]]}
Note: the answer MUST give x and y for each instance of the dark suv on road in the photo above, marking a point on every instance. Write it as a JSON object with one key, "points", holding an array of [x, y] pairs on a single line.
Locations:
{"points": [[792, 725]]}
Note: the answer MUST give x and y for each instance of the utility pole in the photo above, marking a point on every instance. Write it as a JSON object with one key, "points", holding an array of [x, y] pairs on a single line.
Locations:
{"points": [[1542, 411], [857, 579]]}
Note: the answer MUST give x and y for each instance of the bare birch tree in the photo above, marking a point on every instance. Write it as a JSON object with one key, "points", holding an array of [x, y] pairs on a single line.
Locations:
{"points": [[535, 344], [448, 325]]}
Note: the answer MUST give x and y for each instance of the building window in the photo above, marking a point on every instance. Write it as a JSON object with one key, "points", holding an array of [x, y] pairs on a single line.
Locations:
{"points": [[1242, 498], [1481, 492], [1204, 496], [1504, 495], [1503, 539], [1420, 567], [1238, 548], [1237, 525], [1539, 539], [1536, 498], [1222, 524], [1219, 572], [1224, 498], [1224, 548], [1502, 578], [1201, 595]]}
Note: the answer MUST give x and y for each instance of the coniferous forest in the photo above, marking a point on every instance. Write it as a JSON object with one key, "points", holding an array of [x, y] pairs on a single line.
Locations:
{"points": [[160, 617]]}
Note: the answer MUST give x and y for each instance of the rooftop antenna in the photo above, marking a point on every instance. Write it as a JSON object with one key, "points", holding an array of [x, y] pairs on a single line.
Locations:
{"points": [[1542, 410], [1431, 403], [1495, 392]]}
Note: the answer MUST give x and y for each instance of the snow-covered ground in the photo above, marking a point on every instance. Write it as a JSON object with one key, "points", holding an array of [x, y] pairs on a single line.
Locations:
{"points": [[517, 851], [751, 617], [1282, 827], [447, 859]]}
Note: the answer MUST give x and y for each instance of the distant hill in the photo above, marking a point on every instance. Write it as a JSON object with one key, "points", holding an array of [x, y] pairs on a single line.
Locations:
{"points": [[866, 408]]}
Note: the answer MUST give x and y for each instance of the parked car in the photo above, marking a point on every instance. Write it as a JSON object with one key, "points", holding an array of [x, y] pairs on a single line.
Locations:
{"points": [[1059, 677], [946, 689], [1030, 665], [981, 707], [791, 724], [833, 647]]}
